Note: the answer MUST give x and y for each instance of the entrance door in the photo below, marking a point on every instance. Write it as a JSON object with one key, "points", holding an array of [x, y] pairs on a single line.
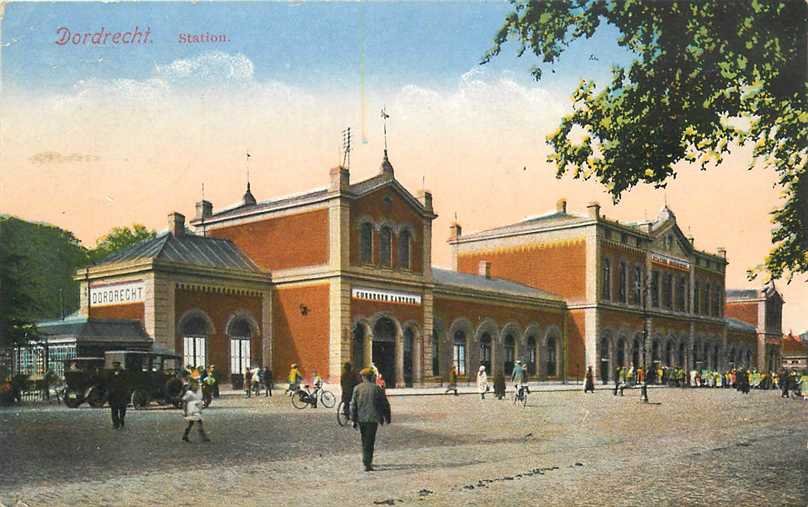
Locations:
{"points": [[384, 349], [409, 340]]}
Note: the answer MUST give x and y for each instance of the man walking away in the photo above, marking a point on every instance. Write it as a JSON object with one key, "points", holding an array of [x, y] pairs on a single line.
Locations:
{"points": [[369, 408], [193, 412], [452, 381], [519, 377], [118, 395], [248, 381], [348, 381]]}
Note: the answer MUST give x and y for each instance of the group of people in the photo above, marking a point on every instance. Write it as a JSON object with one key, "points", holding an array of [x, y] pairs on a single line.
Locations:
{"points": [[256, 379], [518, 377]]}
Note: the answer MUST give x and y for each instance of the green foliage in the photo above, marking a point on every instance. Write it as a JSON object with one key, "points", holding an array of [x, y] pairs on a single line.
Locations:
{"points": [[119, 238], [37, 263], [706, 75]]}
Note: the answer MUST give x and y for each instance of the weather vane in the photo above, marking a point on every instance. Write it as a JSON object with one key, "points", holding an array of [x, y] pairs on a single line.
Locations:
{"points": [[384, 118]]}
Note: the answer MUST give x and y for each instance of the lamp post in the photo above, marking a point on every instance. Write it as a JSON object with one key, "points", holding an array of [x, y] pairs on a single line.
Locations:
{"points": [[644, 386]]}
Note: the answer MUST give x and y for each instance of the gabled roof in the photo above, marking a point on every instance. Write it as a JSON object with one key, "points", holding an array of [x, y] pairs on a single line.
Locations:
{"points": [[188, 249], [96, 330], [554, 218], [739, 325], [496, 285], [793, 346]]}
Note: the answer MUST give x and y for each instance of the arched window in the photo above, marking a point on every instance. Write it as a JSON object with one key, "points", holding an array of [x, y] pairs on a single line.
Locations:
{"points": [[667, 290], [606, 279], [552, 359], [655, 353], [404, 242], [485, 351], [669, 354], [623, 282], [681, 293], [240, 333], [655, 288], [635, 354], [386, 247], [366, 243], [604, 359], [637, 287], [681, 358], [531, 355], [459, 352], [195, 341], [715, 357], [510, 354], [621, 353]]}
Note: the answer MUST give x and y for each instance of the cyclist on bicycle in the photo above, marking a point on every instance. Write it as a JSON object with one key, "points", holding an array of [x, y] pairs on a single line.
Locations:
{"points": [[317, 383], [519, 378]]}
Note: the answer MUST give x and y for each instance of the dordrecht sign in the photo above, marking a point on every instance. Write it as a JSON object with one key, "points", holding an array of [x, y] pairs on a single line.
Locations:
{"points": [[118, 294]]}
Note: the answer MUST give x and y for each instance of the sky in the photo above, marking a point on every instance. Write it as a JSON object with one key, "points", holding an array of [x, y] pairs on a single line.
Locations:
{"points": [[97, 136]]}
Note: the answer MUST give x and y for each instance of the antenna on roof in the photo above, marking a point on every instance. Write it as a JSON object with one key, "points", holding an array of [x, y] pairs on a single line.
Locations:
{"points": [[346, 148], [204, 233]]}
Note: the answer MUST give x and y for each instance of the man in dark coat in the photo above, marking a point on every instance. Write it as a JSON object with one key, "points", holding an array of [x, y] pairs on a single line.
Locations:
{"points": [[369, 408], [118, 395], [348, 381]]}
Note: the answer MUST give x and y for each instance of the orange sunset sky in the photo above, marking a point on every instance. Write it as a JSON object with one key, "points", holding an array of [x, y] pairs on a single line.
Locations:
{"points": [[121, 149]]}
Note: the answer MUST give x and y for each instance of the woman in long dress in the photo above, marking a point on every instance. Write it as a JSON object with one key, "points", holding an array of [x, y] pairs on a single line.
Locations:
{"points": [[482, 382]]}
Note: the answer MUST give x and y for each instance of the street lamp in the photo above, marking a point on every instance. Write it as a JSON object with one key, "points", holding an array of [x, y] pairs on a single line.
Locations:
{"points": [[644, 386]]}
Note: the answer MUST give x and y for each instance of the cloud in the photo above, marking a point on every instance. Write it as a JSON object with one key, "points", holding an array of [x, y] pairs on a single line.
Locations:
{"points": [[211, 67]]}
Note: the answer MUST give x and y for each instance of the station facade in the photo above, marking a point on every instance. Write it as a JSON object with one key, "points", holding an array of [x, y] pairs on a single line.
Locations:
{"points": [[344, 273]]}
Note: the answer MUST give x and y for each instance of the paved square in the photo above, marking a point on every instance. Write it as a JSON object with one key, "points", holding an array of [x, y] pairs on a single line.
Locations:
{"points": [[699, 446]]}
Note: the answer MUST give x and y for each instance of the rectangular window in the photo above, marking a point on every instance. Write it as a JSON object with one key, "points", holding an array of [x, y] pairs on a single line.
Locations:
{"points": [[459, 358], [623, 283], [667, 290], [637, 292], [681, 293], [239, 354], [705, 300], [697, 298], [606, 280], [655, 289], [195, 350]]}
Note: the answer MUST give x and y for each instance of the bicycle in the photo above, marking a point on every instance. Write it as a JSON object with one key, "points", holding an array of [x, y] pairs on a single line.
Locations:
{"points": [[343, 418], [303, 397], [520, 395]]}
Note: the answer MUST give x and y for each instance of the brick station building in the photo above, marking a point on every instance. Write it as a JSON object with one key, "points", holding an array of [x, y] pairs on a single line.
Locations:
{"points": [[344, 273]]}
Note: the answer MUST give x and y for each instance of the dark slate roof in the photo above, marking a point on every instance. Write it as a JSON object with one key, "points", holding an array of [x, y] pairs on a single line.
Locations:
{"points": [[267, 205], [95, 330], [742, 294], [469, 281], [189, 249], [549, 219], [739, 325]]}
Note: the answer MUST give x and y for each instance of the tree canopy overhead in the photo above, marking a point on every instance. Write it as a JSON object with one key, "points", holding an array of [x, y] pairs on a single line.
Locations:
{"points": [[706, 75], [119, 238]]}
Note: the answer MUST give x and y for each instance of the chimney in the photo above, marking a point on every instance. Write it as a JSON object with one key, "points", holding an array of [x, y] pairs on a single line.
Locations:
{"points": [[455, 231], [561, 205], [204, 209], [176, 224], [485, 269], [594, 210], [425, 196], [340, 179], [722, 252]]}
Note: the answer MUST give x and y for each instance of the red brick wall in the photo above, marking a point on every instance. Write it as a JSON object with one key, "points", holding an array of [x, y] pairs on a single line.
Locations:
{"points": [[403, 313], [283, 242], [576, 344], [219, 308], [132, 311], [747, 312], [398, 212], [615, 320], [298, 338], [556, 268]]}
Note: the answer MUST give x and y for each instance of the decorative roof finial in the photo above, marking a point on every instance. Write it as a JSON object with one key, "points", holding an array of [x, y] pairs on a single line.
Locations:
{"points": [[385, 116], [248, 199]]}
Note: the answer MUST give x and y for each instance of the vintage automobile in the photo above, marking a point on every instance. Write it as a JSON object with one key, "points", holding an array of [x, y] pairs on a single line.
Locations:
{"points": [[84, 382], [149, 375]]}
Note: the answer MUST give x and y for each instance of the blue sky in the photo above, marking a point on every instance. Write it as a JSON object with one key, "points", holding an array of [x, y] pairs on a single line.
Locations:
{"points": [[311, 45]]}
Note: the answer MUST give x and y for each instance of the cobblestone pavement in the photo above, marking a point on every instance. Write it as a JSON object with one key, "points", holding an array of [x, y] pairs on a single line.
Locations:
{"points": [[688, 447]]}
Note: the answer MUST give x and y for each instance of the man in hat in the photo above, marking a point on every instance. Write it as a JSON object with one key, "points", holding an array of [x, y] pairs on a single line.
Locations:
{"points": [[369, 408], [118, 395]]}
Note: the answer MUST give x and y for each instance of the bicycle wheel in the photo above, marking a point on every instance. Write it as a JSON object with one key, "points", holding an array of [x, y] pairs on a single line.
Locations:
{"points": [[327, 398], [299, 400], [342, 419], [515, 397]]}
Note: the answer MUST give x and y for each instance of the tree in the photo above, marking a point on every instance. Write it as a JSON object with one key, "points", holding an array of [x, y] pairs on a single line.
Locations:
{"points": [[119, 238], [707, 75]]}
